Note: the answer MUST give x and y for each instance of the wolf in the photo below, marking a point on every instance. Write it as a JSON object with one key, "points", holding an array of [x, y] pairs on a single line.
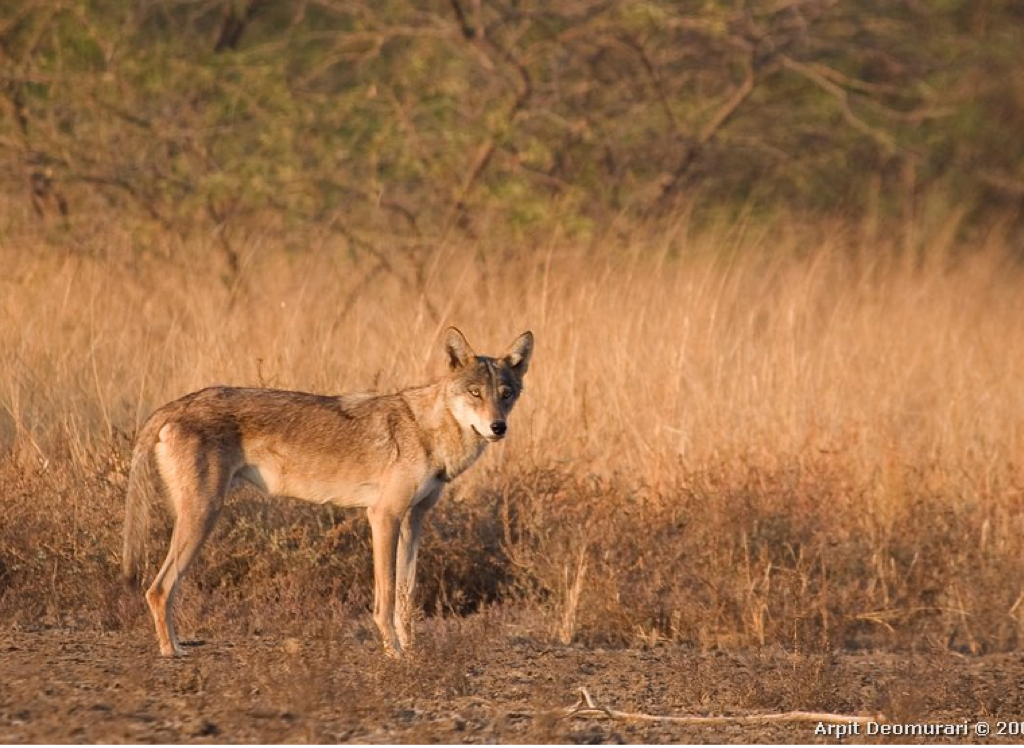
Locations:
{"points": [[391, 454]]}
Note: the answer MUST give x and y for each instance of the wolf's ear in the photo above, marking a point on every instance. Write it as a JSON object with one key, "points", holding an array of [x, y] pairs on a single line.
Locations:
{"points": [[458, 350], [518, 354]]}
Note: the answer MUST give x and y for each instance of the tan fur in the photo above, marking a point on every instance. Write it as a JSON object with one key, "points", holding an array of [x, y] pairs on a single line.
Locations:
{"points": [[391, 454]]}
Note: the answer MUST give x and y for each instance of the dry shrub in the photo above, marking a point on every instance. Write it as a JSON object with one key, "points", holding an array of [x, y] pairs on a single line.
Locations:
{"points": [[800, 434]]}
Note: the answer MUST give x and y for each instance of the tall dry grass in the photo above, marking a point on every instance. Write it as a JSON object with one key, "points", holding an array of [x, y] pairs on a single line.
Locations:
{"points": [[807, 434]]}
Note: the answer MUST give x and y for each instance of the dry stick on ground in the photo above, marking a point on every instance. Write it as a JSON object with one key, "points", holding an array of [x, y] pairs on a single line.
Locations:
{"points": [[586, 707]]}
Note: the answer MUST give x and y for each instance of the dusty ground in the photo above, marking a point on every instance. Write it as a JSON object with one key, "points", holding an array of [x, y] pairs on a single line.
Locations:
{"points": [[471, 682]]}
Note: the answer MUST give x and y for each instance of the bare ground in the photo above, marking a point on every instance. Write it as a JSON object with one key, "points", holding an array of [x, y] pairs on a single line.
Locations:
{"points": [[471, 681]]}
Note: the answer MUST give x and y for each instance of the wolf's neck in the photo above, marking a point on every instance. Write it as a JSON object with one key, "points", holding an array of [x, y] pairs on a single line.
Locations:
{"points": [[450, 448]]}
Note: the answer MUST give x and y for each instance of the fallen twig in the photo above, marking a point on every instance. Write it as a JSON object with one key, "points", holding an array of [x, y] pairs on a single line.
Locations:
{"points": [[587, 707]]}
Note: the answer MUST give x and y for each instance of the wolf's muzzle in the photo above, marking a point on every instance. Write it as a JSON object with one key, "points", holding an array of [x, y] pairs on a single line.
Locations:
{"points": [[498, 428]]}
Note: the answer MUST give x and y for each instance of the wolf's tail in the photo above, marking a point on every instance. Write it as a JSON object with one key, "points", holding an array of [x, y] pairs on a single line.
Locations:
{"points": [[144, 487]]}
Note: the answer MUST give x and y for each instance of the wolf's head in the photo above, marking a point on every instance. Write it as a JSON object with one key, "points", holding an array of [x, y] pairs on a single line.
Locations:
{"points": [[482, 390]]}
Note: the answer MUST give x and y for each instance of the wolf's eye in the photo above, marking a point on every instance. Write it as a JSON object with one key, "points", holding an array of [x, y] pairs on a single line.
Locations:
{"points": [[474, 391], [505, 392]]}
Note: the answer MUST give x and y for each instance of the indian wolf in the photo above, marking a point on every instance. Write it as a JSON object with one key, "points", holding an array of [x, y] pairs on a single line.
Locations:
{"points": [[391, 454]]}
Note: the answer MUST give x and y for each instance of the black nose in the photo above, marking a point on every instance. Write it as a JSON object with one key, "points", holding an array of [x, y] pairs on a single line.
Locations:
{"points": [[498, 427]]}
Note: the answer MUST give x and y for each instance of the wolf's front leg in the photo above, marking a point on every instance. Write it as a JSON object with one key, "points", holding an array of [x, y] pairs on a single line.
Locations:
{"points": [[384, 529], [408, 546]]}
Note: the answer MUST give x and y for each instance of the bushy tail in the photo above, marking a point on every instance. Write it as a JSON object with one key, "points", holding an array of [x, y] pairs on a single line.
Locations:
{"points": [[144, 487]]}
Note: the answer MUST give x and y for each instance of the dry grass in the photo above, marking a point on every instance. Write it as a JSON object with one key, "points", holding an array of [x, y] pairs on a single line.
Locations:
{"points": [[809, 435]]}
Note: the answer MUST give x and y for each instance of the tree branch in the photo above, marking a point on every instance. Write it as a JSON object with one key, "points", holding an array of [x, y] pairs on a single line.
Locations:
{"points": [[841, 95], [706, 133]]}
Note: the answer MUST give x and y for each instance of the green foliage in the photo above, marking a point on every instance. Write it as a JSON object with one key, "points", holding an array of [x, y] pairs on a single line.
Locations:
{"points": [[446, 112]]}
